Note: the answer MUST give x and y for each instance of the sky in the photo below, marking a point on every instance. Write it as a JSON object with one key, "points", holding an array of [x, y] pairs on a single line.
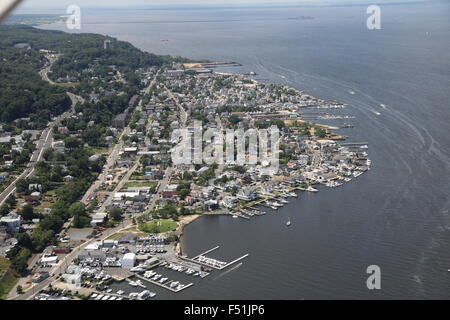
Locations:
{"points": [[114, 3]]}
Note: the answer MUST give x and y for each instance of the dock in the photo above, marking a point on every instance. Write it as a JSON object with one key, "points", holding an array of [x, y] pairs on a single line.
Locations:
{"points": [[219, 265], [162, 285], [206, 252]]}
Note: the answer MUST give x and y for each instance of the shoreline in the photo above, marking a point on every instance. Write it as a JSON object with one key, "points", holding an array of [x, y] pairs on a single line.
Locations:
{"points": [[185, 221]]}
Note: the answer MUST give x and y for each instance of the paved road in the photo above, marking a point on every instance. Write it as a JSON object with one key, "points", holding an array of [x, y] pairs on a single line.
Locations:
{"points": [[44, 142], [44, 72], [119, 186], [110, 161]]}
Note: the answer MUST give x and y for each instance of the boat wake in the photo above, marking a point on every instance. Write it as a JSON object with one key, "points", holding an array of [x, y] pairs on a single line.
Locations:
{"points": [[228, 271]]}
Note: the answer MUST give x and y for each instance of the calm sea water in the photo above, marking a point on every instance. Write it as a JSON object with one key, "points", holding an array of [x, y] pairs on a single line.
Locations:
{"points": [[395, 216]]}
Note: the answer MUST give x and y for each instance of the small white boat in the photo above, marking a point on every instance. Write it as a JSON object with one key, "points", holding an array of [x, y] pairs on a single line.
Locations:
{"points": [[140, 283], [288, 223], [163, 280], [311, 189]]}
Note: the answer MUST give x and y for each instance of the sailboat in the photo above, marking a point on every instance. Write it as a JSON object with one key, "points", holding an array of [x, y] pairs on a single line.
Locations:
{"points": [[288, 223]]}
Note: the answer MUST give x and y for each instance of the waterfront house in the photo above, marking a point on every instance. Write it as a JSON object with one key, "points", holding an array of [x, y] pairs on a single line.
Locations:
{"points": [[247, 194]]}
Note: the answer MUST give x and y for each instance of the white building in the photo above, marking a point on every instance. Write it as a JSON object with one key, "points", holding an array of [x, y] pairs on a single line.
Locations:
{"points": [[12, 221], [74, 279], [128, 260], [98, 219], [49, 260], [247, 194]]}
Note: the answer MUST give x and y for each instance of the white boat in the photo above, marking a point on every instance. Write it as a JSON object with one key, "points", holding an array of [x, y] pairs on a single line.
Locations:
{"points": [[276, 204], [140, 283], [356, 174], [133, 284], [120, 292], [311, 189], [144, 295], [174, 284], [94, 295], [364, 147], [288, 223], [152, 294], [376, 112]]}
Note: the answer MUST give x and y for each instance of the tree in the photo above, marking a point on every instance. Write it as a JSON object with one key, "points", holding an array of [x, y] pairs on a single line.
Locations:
{"points": [[27, 213], [116, 214], [19, 261], [77, 208], [80, 217], [4, 209], [24, 240], [11, 201]]}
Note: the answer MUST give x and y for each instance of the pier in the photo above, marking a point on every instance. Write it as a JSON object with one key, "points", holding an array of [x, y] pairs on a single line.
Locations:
{"points": [[112, 295], [206, 252], [216, 264], [162, 285]]}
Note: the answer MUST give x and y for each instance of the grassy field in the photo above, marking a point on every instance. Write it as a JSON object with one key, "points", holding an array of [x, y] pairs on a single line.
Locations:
{"points": [[48, 199], [138, 184], [8, 281], [98, 150], [159, 226], [4, 264], [134, 230]]}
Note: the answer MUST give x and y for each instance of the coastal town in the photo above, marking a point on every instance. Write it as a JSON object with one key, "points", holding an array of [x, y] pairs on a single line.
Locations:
{"points": [[123, 236]]}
